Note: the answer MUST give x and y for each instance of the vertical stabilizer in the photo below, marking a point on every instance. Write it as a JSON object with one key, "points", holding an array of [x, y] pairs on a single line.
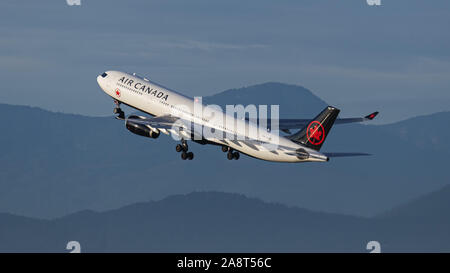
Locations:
{"points": [[313, 135]]}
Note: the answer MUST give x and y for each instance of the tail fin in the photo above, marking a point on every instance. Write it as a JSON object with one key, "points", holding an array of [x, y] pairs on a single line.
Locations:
{"points": [[313, 135]]}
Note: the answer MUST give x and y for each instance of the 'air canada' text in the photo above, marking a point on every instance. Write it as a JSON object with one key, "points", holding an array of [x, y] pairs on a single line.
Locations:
{"points": [[143, 88]]}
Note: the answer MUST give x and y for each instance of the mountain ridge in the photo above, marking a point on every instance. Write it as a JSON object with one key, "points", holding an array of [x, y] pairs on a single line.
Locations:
{"points": [[54, 164], [220, 222]]}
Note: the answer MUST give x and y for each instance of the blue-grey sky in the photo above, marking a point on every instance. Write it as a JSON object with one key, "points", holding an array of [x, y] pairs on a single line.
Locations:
{"points": [[394, 58]]}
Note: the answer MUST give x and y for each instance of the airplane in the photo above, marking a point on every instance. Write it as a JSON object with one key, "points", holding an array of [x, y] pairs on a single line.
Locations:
{"points": [[173, 113]]}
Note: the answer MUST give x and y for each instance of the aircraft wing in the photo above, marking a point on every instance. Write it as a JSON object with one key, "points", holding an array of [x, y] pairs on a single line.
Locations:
{"points": [[161, 122], [345, 154], [351, 120], [167, 121], [174, 125], [286, 124]]}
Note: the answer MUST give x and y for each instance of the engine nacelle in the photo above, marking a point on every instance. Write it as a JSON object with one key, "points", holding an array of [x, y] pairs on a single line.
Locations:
{"points": [[140, 129]]}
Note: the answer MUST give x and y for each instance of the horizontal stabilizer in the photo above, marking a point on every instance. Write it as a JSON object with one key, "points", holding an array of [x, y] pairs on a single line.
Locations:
{"points": [[345, 154]]}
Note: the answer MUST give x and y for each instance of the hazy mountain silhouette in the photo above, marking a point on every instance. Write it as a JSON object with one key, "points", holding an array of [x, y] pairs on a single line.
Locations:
{"points": [[427, 132], [53, 164], [294, 101], [427, 207], [419, 225], [221, 222]]}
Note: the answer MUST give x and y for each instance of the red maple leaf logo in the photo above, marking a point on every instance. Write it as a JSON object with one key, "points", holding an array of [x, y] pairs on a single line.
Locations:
{"points": [[315, 133], [118, 92]]}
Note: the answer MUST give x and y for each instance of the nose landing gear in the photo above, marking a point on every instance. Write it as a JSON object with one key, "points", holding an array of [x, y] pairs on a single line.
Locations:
{"points": [[183, 148], [117, 110]]}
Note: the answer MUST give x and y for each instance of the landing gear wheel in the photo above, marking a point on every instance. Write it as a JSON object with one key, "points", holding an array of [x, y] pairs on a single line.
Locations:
{"points": [[179, 148], [183, 148], [230, 156], [225, 149], [236, 155]]}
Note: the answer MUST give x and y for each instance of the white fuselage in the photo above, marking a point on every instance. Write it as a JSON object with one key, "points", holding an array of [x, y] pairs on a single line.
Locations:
{"points": [[157, 100]]}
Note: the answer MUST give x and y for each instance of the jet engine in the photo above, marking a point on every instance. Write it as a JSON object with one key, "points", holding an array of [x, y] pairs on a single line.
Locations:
{"points": [[140, 129]]}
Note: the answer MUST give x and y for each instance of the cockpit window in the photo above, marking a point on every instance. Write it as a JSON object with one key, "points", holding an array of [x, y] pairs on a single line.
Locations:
{"points": [[104, 74]]}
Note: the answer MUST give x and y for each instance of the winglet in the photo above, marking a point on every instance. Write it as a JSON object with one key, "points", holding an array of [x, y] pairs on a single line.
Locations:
{"points": [[371, 116]]}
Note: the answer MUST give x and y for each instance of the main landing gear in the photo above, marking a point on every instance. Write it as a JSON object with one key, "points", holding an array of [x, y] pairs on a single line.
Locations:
{"points": [[231, 154], [183, 148], [120, 113]]}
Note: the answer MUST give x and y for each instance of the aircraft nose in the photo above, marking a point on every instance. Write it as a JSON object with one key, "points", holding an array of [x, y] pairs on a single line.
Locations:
{"points": [[101, 80]]}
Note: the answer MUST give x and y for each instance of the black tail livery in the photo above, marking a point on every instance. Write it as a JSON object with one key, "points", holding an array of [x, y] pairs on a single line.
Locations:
{"points": [[313, 135]]}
